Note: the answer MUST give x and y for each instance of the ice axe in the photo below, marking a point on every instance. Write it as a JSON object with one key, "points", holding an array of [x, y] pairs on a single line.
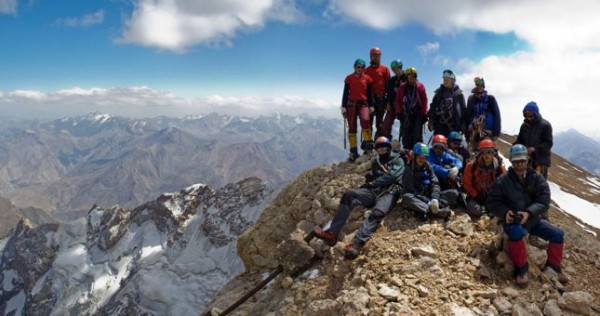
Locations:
{"points": [[345, 128]]}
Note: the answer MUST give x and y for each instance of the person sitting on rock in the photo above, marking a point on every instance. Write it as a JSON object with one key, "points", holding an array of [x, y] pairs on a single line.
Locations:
{"points": [[380, 193], [518, 198], [446, 166], [480, 174], [421, 187], [456, 149]]}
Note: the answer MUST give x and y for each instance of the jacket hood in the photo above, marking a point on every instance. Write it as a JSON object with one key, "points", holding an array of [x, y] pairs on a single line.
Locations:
{"points": [[533, 107]]}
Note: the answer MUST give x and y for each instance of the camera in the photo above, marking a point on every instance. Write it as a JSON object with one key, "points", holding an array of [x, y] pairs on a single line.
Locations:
{"points": [[517, 218]]}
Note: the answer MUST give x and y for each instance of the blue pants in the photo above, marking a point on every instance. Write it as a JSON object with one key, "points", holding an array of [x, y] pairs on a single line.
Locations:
{"points": [[543, 229]]}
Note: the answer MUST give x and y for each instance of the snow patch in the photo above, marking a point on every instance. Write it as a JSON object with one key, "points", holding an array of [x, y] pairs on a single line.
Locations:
{"points": [[593, 181], [585, 228], [3, 243], [586, 211], [9, 276], [95, 217], [15, 304], [298, 120]]}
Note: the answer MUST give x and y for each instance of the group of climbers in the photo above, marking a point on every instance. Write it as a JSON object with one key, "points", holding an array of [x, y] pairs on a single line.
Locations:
{"points": [[430, 180]]}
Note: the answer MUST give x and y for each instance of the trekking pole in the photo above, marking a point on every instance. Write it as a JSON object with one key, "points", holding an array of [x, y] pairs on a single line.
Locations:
{"points": [[345, 128]]}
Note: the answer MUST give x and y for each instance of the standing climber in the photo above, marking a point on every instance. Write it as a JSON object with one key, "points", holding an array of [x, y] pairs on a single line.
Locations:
{"points": [[483, 115], [356, 103], [411, 109], [519, 198], [380, 75], [448, 110], [380, 193], [536, 135], [391, 91]]}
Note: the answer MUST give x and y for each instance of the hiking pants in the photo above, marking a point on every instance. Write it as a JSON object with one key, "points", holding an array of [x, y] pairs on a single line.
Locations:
{"points": [[412, 132], [380, 107], [354, 111], [365, 198], [420, 203], [518, 252], [388, 122]]}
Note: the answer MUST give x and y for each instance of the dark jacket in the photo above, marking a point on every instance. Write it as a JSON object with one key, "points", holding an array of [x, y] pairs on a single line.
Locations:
{"points": [[537, 134], [392, 88], [421, 181], [387, 171], [487, 106], [448, 111], [508, 193]]}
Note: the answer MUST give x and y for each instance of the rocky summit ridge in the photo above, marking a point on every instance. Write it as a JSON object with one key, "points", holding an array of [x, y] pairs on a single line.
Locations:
{"points": [[409, 267]]}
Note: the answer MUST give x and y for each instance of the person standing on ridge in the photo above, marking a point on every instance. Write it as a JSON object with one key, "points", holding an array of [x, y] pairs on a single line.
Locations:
{"points": [[356, 103], [380, 75], [448, 110], [422, 193], [483, 115], [391, 91], [480, 174], [411, 109], [536, 135], [380, 193], [519, 198]]}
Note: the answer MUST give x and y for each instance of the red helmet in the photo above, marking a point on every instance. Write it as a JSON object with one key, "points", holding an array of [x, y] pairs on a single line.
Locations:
{"points": [[439, 138], [486, 144], [375, 50]]}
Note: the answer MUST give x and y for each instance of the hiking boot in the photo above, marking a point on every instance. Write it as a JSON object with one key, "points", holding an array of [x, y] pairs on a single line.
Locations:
{"points": [[563, 278], [353, 157], [422, 216], [330, 239], [522, 280], [352, 251], [443, 213]]}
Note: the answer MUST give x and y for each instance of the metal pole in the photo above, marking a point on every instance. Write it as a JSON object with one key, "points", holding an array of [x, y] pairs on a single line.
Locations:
{"points": [[345, 128]]}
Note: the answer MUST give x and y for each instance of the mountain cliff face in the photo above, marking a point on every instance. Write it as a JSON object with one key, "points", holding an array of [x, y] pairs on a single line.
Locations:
{"points": [[410, 267], [579, 149], [165, 257], [72, 163]]}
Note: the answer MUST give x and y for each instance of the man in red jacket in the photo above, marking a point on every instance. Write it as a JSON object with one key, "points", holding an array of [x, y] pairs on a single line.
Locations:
{"points": [[356, 103], [480, 174], [411, 109], [380, 75]]}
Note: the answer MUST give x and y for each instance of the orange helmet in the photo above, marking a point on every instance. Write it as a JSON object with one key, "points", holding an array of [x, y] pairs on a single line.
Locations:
{"points": [[439, 139], [486, 144], [375, 50]]}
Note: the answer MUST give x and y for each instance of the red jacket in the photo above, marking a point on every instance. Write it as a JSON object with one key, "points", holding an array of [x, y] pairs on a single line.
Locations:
{"points": [[421, 95], [358, 87], [478, 179], [380, 76]]}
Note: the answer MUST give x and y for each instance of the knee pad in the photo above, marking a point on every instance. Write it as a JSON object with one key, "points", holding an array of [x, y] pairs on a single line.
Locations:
{"points": [[515, 231]]}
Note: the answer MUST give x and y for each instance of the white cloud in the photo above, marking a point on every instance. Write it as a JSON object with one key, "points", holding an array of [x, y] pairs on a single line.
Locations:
{"points": [[560, 72], [8, 6], [179, 24], [143, 101], [83, 21]]}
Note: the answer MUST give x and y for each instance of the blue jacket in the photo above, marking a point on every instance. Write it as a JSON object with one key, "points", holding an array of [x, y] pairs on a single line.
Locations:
{"points": [[421, 181], [487, 106], [439, 162]]}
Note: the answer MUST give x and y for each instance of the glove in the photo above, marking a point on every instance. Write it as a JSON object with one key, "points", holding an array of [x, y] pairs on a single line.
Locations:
{"points": [[368, 185], [434, 206], [453, 173], [371, 110], [343, 109]]}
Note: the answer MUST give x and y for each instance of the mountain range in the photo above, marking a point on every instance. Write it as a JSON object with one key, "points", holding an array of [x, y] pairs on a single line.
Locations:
{"points": [[579, 149], [67, 165]]}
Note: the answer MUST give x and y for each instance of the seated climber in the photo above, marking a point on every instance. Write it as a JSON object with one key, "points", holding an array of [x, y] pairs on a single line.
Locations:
{"points": [[456, 149], [421, 187], [480, 174], [519, 198], [445, 165], [380, 193]]}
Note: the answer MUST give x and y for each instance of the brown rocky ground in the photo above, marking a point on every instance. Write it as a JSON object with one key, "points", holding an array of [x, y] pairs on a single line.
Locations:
{"points": [[410, 267]]}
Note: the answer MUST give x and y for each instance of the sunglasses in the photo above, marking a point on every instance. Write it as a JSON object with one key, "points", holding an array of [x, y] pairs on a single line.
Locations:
{"points": [[514, 162], [479, 82], [359, 67], [488, 152], [439, 147]]}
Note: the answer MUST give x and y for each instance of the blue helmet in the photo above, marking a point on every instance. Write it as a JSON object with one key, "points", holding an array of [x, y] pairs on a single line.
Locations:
{"points": [[518, 152], [420, 149], [359, 62], [455, 136], [383, 141]]}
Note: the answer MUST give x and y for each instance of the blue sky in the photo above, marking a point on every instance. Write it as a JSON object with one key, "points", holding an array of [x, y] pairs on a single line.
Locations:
{"points": [[177, 57]]}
